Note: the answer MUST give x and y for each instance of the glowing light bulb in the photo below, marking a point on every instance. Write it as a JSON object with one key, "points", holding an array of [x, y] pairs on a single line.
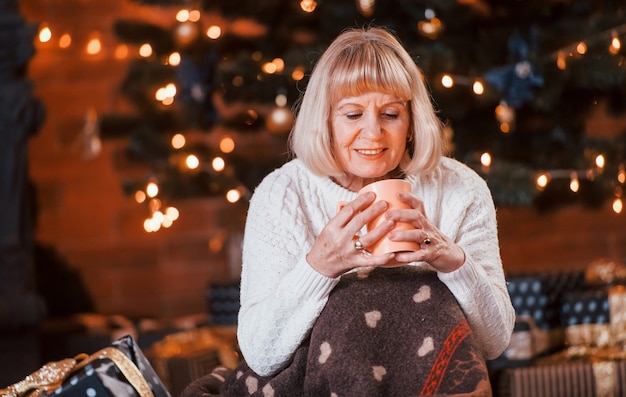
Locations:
{"points": [[478, 88], [150, 226], [227, 144], [280, 100], [182, 15], [447, 81], [94, 46], [121, 51], [157, 216], [218, 164], [615, 45], [178, 141], [65, 41], [174, 59], [172, 213], [269, 68], [485, 159], [192, 162], [233, 195], [167, 222], [618, 205], [140, 196], [542, 180], [574, 183], [145, 50], [600, 161], [45, 34], [561, 61], [194, 15], [279, 63], [152, 189], [214, 32], [308, 5], [160, 94], [366, 7], [297, 74], [170, 89]]}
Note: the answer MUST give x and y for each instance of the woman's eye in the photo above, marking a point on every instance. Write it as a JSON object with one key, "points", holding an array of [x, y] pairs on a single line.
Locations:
{"points": [[390, 115], [353, 116]]}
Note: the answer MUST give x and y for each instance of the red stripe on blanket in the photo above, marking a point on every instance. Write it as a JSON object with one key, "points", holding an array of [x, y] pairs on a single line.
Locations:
{"points": [[439, 368]]}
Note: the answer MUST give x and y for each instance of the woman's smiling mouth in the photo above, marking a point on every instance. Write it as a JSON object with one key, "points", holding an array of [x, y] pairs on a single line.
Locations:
{"points": [[369, 152]]}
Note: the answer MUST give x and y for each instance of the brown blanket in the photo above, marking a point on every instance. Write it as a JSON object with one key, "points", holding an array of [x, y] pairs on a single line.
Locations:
{"points": [[384, 332]]}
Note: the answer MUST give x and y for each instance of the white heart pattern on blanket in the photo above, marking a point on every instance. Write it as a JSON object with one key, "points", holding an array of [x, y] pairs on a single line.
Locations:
{"points": [[325, 351], [268, 390], [372, 318], [427, 347], [423, 294], [379, 372], [252, 384]]}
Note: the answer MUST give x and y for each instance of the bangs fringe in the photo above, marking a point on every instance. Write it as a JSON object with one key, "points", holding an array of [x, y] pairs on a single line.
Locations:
{"points": [[370, 67]]}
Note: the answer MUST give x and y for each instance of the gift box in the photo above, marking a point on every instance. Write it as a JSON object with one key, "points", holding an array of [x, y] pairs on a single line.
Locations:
{"points": [[536, 298], [602, 379], [538, 295], [181, 358], [80, 333], [576, 371], [223, 303], [585, 307], [119, 370], [585, 315], [520, 351], [595, 318]]}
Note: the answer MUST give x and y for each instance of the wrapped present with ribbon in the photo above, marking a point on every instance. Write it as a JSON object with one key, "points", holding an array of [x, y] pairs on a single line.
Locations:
{"points": [[183, 357], [565, 379], [592, 365], [527, 343], [119, 370], [585, 316], [539, 294], [595, 318], [536, 298]]}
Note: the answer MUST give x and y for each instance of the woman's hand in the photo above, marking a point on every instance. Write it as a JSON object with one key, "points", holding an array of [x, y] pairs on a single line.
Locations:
{"points": [[436, 248], [334, 253]]}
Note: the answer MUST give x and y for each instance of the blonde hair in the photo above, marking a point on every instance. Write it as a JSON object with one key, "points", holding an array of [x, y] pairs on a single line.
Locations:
{"points": [[360, 61]]}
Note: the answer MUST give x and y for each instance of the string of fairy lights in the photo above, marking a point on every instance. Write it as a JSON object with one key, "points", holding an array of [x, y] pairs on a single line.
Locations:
{"points": [[506, 114], [279, 121], [162, 216]]}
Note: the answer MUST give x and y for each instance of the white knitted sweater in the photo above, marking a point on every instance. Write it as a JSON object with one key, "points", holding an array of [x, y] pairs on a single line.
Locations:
{"points": [[281, 295]]}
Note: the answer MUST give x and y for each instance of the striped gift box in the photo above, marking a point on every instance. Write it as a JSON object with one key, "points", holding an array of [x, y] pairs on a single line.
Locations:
{"points": [[569, 379]]}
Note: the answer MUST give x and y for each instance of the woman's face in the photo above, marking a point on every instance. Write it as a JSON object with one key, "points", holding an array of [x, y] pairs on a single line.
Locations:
{"points": [[369, 136]]}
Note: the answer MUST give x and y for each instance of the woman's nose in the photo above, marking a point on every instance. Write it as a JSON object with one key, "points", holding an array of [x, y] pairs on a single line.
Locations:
{"points": [[371, 126]]}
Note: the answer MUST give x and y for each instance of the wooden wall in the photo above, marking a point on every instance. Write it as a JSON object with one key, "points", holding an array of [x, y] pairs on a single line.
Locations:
{"points": [[86, 217]]}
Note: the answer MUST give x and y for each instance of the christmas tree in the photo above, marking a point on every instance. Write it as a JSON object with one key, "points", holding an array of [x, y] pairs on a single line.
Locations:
{"points": [[514, 82]]}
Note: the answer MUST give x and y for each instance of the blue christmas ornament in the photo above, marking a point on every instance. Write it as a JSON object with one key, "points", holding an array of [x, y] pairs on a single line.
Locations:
{"points": [[517, 81], [195, 75]]}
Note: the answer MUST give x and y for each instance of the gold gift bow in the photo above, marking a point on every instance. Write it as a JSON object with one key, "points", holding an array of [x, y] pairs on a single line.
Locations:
{"points": [[52, 375], [603, 335], [533, 342]]}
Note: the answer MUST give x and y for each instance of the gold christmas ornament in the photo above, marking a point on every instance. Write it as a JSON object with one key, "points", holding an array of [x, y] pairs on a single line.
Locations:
{"points": [[505, 113], [365, 7], [279, 121], [186, 33]]}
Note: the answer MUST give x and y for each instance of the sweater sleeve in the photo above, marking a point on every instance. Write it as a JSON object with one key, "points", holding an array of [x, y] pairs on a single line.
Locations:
{"points": [[479, 285], [281, 295]]}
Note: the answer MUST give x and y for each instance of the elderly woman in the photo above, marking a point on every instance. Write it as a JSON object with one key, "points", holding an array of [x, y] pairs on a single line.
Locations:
{"points": [[321, 316]]}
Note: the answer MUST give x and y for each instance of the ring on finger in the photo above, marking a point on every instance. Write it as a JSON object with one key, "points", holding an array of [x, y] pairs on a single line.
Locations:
{"points": [[358, 245], [427, 241]]}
